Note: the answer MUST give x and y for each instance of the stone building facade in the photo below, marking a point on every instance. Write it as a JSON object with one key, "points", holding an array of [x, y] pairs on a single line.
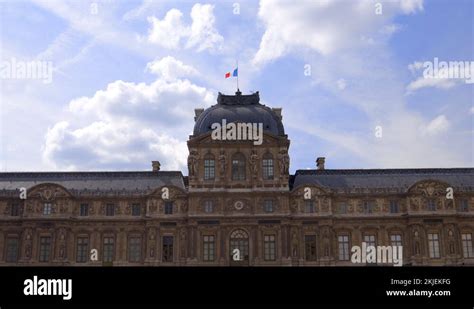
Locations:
{"points": [[238, 206]]}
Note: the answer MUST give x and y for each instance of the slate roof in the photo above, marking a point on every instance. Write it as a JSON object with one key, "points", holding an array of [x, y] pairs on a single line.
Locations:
{"points": [[401, 179], [239, 108], [89, 182]]}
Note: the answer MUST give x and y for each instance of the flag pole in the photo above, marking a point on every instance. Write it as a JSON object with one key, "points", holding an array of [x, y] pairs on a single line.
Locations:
{"points": [[237, 67]]}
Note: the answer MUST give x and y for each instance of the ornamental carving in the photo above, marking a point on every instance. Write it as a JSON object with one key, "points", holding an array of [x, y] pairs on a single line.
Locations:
{"points": [[429, 189]]}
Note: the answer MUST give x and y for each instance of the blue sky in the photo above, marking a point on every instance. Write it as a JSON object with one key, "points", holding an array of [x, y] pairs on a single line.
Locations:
{"points": [[127, 76]]}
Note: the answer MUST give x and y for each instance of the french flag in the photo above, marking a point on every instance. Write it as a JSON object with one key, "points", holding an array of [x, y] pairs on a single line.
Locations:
{"points": [[235, 73]]}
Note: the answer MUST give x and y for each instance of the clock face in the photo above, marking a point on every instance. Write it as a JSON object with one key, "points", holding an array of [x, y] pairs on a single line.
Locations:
{"points": [[238, 205]]}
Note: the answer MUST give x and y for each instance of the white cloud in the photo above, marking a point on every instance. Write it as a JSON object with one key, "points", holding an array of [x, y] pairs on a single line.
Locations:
{"points": [[169, 68], [341, 84], [201, 34], [317, 25], [128, 124], [437, 125], [421, 82], [471, 111]]}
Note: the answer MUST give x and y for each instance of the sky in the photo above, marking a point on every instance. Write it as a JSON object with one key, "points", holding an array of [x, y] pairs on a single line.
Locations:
{"points": [[120, 80]]}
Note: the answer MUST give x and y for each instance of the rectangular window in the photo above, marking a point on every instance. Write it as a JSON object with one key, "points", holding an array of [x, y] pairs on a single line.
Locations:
{"points": [[110, 210], [11, 246], [15, 210], [267, 169], [168, 208], [269, 247], [268, 206], [84, 210], [464, 206], [208, 206], [82, 249], [208, 244], [109, 249], [394, 207], [431, 205], [136, 210], [396, 240], [368, 207], [343, 208], [209, 169], [309, 206], [343, 241], [167, 249], [467, 245], [369, 240], [135, 249], [433, 245], [310, 247], [45, 248], [47, 208], [238, 168]]}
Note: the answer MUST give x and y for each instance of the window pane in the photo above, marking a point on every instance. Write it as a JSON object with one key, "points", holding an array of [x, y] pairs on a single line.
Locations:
{"points": [[45, 248], [11, 255]]}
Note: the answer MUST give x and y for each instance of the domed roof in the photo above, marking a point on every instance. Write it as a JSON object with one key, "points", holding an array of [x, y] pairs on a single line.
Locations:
{"points": [[242, 109]]}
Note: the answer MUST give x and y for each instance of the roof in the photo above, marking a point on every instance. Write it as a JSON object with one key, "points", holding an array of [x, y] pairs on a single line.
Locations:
{"points": [[392, 179], [140, 182], [242, 109]]}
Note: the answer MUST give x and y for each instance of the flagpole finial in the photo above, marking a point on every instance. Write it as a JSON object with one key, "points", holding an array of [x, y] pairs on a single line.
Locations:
{"points": [[238, 92]]}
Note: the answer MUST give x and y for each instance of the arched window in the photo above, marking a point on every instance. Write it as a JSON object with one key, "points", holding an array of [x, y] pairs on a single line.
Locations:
{"points": [[267, 166], [209, 167], [239, 239], [238, 167]]}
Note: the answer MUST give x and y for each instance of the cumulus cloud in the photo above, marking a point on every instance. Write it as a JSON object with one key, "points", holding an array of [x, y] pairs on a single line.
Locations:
{"points": [[170, 31], [317, 25], [128, 124], [169, 68], [436, 126]]}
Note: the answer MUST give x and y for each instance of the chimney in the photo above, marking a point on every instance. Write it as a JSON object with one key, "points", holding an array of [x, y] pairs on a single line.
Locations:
{"points": [[320, 163], [155, 165], [197, 112]]}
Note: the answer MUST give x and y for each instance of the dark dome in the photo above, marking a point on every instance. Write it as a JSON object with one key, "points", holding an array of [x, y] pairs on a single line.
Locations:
{"points": [[239, 108]]}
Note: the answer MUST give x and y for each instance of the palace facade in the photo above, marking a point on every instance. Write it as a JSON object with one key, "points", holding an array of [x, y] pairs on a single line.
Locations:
{"points": [[238, 206]]}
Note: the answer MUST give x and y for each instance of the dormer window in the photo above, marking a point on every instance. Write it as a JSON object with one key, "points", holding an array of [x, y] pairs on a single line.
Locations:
{"points": [[47, 209]]}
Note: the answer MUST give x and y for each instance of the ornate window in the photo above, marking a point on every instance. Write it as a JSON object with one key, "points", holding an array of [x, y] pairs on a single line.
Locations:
{"points": [[396, 240], [394, 207], [208, 206], [239, 239], [433, 245], [45, 248], [84, 210], [310, 247], [47, 208], [343, 241], [238, 167], [134, 249], [136, 209], [15, 210], [467, 245], [11, 247], [209, 167], [268, 206], [309, 206], [369, 207], [167, 249], [369, 240], [168, 208], [464, 206], [342, 207], [269, 245], [208, 244], [267, 166], [431, 204], [82, 249], [110, 210], [108, 248]]}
